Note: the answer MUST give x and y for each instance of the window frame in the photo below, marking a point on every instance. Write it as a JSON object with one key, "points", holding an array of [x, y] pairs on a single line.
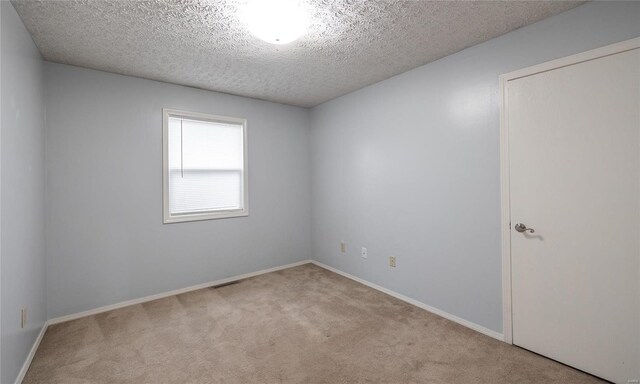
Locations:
{"points": [[168, 218]]}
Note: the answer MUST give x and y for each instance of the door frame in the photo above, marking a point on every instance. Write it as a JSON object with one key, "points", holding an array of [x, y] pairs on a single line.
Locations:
{"points": [[627, 45]]}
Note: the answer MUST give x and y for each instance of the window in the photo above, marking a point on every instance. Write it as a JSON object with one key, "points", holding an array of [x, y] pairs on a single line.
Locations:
{"points": [[205, 166]]}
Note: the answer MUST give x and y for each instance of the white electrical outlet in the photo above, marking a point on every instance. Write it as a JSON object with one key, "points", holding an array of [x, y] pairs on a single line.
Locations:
{"points": [[392, 261], [364, 252], [343, 247], [23, 317]]}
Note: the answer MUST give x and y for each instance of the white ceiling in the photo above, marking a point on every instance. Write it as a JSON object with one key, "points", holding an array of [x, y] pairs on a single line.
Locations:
{"points": [[204, 44]]}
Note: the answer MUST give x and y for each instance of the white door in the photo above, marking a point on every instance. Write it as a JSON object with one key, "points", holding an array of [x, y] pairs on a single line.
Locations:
{"points": [[574, 169]]}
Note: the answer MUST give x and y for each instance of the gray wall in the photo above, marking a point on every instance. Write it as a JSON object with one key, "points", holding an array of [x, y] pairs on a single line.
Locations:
{"points": [[22, 261], [410, 166], [105, 239]]}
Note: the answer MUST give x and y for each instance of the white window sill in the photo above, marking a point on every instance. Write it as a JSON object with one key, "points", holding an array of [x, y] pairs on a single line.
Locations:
{"points": [[181, 218]]}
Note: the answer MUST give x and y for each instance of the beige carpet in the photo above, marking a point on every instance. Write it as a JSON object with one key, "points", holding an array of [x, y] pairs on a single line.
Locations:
{"points": [[300, 325]]}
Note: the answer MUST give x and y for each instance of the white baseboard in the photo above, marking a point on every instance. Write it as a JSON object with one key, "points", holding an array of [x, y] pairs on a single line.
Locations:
{"points": [[62, 319], [32, 353], [145, 299], [162, 295], [441, 313]]}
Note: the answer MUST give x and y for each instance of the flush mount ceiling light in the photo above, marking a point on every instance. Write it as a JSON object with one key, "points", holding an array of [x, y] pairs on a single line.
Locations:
{"points": [[276, 21]]}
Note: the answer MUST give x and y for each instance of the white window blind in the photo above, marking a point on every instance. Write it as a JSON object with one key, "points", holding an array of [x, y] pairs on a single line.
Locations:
{"points": [[205, 168]]}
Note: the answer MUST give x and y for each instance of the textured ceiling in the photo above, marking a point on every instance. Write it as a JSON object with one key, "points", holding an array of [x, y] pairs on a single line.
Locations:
{"points": [[203, 43]]}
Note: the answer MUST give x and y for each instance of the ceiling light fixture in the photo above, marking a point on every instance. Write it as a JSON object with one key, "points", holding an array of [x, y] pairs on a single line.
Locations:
{"points": [[276, 21]]}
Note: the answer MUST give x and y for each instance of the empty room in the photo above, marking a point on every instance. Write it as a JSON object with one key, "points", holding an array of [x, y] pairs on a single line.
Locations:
{"points": [[319, 191]]}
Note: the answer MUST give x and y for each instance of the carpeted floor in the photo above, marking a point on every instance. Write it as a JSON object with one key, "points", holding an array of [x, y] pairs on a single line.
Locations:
{"points": [[300, 325]]}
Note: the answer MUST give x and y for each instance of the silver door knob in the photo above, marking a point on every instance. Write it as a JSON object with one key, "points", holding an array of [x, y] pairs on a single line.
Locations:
{"points": [[523, 228]]}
